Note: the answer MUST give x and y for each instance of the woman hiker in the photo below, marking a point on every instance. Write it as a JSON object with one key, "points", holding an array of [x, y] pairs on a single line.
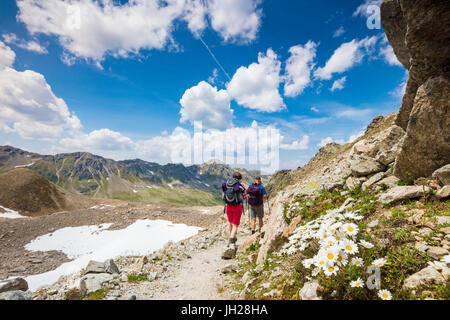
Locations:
{"points": [[233, 195]]}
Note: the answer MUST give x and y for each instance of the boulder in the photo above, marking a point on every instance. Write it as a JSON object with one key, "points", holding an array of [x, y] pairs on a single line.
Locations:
{"points": [[229, 253], [95, 267], [111, 267], [389, 181], [443, 174], [229, 269], [444, 192], [310, 291], [363, 166], [437, 252], [372, 180], [402, 193], [424, 277], [15, 295], [95, 281], [352, 183], [14, 284], [426, 146], [77, 290], [442, 219]]}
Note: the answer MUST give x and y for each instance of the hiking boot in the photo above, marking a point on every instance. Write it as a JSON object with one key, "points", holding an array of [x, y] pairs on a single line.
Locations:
{"points": [[253, 232]]}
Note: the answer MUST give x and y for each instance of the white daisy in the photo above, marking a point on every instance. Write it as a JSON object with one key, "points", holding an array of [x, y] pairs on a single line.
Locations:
{"points": [[342, 259], [331, 270], [358, 283], [350, 229], [349, 246], [315, 272], [366, 244], [385, 294], [330, 254], [379, 262], [307, 263], [357, 262]]}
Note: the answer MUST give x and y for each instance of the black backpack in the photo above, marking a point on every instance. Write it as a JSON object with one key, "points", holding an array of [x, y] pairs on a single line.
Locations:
{"points": [[232, 197], [255, 196]]}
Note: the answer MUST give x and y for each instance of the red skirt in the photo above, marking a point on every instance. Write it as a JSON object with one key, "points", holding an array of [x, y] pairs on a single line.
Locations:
{"points": [[234, 214]]}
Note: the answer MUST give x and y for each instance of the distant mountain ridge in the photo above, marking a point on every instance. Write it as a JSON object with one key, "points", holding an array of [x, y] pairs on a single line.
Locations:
{"points": [[93, 175]]}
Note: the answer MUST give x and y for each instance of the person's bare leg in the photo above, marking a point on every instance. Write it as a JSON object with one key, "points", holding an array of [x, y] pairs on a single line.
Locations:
{"points": [[253, 224], [261, 223], [233, 231]]}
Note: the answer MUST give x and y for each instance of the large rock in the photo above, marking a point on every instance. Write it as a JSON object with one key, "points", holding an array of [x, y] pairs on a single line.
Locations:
{"points": [[95, 281], [419, 34], [426, 146], [310, 291], [111, 267], [15, 295], [102, 267], [14, 284], [363, 166], [443, 174], [390, 181], [402, 193], [444, 192], [372, 180], [424, 277], [287, 232], [229, 253], [273, 230], [248, 242]]}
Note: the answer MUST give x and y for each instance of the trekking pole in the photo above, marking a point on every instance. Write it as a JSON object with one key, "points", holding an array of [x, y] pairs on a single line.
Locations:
{"points": [[268, 204]]}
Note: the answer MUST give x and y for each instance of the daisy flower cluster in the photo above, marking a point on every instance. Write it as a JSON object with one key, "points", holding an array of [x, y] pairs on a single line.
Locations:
{"points": [[336, 233]]}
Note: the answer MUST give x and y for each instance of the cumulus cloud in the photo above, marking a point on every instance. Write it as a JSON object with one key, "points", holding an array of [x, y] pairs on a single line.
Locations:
{"points": [[28, 105], [91, 29], [207, 104], [256, 86], [388, 54], [31, 45], [338, 84], [103, 139], [345, 57], [297, 145], [235, 19], [298, 68], [354, 113]]}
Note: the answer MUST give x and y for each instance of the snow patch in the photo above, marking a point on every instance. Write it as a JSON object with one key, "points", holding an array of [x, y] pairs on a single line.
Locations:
{"points": [[24, 165], [10, 214], [94, 242]]}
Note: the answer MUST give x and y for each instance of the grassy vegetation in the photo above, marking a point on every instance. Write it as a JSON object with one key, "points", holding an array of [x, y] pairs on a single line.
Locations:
{"points": [[176, 196], [133, 278], [97, 295]]}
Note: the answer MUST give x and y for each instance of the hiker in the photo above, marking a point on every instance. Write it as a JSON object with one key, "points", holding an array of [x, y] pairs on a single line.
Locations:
{"points": [[233, 195], [256, 194]]}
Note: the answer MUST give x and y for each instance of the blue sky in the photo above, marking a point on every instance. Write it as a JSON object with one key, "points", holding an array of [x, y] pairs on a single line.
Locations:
{"points": [[128, 80]]}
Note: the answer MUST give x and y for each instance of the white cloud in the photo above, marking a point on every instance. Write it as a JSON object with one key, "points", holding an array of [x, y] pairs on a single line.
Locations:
{"points": [[328, 140], [361, 10], [345, 57], [298, 68], [388, 54], [353, 113], [338, 84], [213, 78], [314, 109], [31, 45], [28, 105], [91, 29], [399, 92], [103, 139], [207, 104], [355, 136], [235, 19], [7, 56], [256, 86], [297, 145], [339, 32]]}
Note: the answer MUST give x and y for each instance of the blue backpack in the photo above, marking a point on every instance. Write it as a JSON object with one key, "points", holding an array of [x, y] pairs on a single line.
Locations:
{"points": [[255, 196]]}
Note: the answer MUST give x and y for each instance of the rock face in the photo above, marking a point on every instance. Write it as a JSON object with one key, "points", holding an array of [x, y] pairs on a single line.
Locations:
{"points": [[309, 291], [15, 295], [427, 143], [444, 192], [419, 33]]}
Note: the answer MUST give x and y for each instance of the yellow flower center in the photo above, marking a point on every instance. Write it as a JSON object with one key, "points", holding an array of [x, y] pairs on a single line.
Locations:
{"points": [[339, 258], [338, 238], [331, 269], [358, 284], [350, 229], [322, 263], [330, 256], [330, 242], [348, 248], [356, 262], [385, 295]]}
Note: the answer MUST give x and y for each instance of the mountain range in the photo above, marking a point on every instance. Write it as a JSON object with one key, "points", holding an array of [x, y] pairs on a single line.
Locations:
{"points": [[133, 180]]}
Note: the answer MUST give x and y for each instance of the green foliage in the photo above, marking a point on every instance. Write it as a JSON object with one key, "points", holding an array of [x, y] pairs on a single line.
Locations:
{"points": [[403, 235], [97, 295], [133, 278]]}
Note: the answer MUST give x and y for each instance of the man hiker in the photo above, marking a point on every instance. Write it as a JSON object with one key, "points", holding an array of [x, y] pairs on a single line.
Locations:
{"points": [[233, 194], [256, 194]]}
